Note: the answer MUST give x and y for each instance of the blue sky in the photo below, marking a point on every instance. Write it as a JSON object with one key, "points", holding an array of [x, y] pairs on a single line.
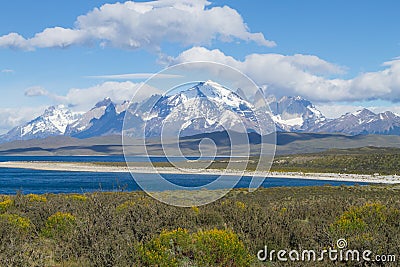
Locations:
{"points": [[331, 52]]}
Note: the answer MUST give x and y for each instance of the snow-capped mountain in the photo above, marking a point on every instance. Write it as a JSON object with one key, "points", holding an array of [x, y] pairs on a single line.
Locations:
{"points": [[54, 121], [362, 122], [295, 114], [105, 118], [109, 123], [205, 107], [93, 116], [85, 121]]}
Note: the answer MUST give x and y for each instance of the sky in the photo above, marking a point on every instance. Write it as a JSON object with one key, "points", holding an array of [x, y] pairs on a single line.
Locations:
{"points": [[341, 55]]}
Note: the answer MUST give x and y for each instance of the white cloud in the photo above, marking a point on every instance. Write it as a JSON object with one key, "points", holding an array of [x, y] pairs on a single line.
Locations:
{"points": [[12, 117], [15, 41], [36, 91], [82, 99], [335, 111], [135, 76], [306, 75], [133, 25], [7, 71], [79, 99], [380, 109]]}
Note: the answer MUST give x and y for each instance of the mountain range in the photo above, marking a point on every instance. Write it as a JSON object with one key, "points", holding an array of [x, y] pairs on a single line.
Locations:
{"points": [[204, 108]]}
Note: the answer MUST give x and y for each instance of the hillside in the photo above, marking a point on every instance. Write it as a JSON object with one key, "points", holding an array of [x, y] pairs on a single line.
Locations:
{"points": [[287, 143]]}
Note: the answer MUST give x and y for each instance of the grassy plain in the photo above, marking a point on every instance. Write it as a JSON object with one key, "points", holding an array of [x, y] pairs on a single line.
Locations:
{"points": [[132, 229]]}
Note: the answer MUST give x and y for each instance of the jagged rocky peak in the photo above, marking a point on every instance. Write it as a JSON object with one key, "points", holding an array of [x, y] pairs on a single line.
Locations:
{"points": [[103, 103], [205, 107], [295, 114]]}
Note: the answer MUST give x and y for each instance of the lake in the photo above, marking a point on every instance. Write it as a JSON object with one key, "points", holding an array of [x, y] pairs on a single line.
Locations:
{"points": [[98, 158], [39, 181]]}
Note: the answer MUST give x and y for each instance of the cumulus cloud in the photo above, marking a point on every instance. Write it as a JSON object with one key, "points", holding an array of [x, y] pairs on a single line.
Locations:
{"points": [[35, 91], [336, 110], [78, 99], [135, 76], [7, 71], [12, 117], [306, 75], [85, 98], [82, 99], [133, 25]]}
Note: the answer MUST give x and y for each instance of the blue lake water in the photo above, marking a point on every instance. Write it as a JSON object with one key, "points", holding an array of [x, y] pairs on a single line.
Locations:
{"points": [[89, 158], [39, 181]]}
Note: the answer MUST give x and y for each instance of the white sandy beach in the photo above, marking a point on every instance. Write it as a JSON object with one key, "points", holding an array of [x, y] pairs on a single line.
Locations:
{"points": [[88, 167]]}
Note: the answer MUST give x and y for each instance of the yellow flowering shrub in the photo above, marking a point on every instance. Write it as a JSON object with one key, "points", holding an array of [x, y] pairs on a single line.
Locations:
{"points": [[220, 248], [58, 224], [240, 205], [77, 197], [165, 249], [358, 222], [204, 248], [36, 198], [5, 203], [16, 221], [283, 211], [125, 205], [195, 209]]}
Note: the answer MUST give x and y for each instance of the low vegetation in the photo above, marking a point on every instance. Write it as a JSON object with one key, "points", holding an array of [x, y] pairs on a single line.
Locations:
{"points": [[132, 229], [365, 160]]}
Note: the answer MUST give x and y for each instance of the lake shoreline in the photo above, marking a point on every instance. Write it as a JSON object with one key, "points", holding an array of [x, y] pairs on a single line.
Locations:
{"points": [[90, 167]]}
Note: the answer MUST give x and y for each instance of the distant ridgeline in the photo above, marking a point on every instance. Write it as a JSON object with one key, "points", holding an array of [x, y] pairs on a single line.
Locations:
{"points": [[289, 114]]}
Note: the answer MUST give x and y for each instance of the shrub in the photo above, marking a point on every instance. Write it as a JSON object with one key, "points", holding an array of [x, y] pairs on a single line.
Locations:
{"points": [[59, 224], [240, 205], [16, 221], [125, 205], [204, 248], [5, 203], [220, 248], [364, 225], [195, 209], [36, 198], [77, 197], [167, 249]]}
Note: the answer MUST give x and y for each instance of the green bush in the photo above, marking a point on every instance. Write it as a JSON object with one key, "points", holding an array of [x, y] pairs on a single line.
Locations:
{"points": [[203, 248], [5, 203], [220, 248], [59, 224], [16, 221]]}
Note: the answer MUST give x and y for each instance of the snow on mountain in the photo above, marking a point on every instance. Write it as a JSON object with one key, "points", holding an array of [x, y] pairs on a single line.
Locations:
{"points": [[84, 122], [109, 123], [122, 107], [295, 113], [363, 122], [206, 107], [54, 121]]}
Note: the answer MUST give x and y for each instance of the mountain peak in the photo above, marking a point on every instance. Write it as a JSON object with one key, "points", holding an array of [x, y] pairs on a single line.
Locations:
{"points": [[103, 103], [52, 109], [211, 83], [363, 112], [205, 107]]}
